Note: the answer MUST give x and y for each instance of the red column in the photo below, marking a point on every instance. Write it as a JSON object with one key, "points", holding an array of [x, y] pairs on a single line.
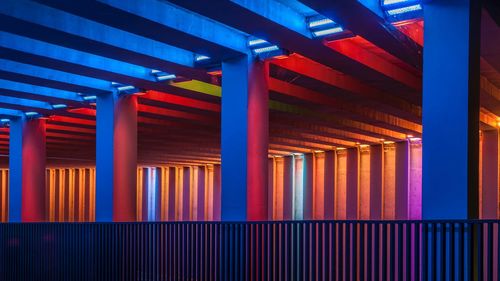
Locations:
{"points": [[329, 192], [489, 184], [33, 171], [352, 184], [125, 159], [308, 186], [376, 175], [402, 183]]}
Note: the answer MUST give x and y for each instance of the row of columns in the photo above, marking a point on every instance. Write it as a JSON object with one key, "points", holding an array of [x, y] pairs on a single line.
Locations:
{"points": [[450, 120]]}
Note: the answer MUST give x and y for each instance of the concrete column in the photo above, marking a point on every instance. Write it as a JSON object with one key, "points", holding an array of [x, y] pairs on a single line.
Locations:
{"points": [[244, 139], [329, 193], [307, 187], [376, 181], [27, 156], [352, 179], [489, 194], [116, 158], [451, 109], [402, 180]]}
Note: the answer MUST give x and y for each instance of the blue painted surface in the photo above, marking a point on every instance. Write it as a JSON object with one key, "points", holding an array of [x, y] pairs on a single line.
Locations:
{"points": [[10, 112], [38, 90], [234, 139], [17, 102], [76, 81], [450, 111], [48, 17], [16, 168], [63, 54], [104, 157]]}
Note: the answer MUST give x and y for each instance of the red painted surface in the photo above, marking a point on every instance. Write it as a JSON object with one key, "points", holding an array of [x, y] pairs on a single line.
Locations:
{"points": [[125, 159], [490, 177], [33, 183], [352, 184], [258, 141]]}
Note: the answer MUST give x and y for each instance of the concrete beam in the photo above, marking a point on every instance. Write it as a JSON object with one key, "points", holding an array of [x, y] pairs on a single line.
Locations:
{"points": [[163, 22], [44, 23]]}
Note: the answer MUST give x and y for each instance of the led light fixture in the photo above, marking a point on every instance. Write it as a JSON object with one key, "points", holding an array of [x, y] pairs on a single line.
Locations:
{"points": [[266, 49], [4, 120], [201, 58], [89, 98], [321, 26], [255, 42], [329, 31], [391, 2], [31, 113], [404, 10], [162, 76], [59, 106], [320, 22]]}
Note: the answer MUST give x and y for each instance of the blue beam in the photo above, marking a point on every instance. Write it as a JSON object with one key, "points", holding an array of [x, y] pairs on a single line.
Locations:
{"points": [[27, 50], [23, 103], [32, 74], [44, 23], [10, 112], [12, 88], [450, 175], [16, 168], [279, 13], [369, 22], [163, 22], [272, 27]]}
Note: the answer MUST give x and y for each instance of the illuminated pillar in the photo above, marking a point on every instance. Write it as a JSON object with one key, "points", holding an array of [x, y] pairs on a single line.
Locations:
{"points": [[116, 158], [307, 187], [402, 183], [451, 109], [27, 170], [329, 193], [376, 181], [352, 183], [244, 139], [489, 196], [288, 188]]}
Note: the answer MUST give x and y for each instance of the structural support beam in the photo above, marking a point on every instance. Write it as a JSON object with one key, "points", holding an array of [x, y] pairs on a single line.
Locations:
{"points": [[490, 175], [27, 170], [116, 158], [244, 139], [451, 109]]}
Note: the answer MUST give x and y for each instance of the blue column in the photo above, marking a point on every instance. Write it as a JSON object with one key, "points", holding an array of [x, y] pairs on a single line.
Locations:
{"points": [[244, 139], [451, 109], [116, 158], [27, 156]]}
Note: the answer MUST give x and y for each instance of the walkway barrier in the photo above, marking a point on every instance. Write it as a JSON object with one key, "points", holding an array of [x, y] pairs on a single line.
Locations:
{"points": [[299, 250]]}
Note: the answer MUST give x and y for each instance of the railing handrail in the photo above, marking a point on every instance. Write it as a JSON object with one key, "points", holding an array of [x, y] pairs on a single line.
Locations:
{"points": [[437, 221]]}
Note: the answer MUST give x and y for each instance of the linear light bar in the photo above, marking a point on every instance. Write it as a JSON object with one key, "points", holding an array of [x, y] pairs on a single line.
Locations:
{"points": [[390, 2], [256, 42], [266, 49], [59, 106], [404, 10], [320, 22], [162, 76], [87, 98], [166, 77], [201, 58], [4, 120], [31, 113], [328, 31]]}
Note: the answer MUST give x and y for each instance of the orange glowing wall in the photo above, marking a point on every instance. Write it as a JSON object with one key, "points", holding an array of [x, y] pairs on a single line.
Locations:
{"points": [[4, 194], [382, 182], [180, 193]]}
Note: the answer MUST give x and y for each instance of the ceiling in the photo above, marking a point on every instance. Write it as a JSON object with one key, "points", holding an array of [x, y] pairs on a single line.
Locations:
{"points": [[362, 85]]}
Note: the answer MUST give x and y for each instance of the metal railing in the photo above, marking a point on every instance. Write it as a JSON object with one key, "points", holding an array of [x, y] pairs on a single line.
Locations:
{"points": [[298, 250]]}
